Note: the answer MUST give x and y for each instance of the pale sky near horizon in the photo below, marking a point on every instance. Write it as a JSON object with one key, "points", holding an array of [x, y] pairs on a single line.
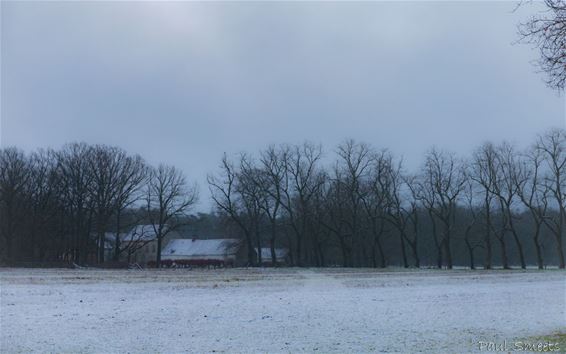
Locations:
{"points": [[184, 82]]}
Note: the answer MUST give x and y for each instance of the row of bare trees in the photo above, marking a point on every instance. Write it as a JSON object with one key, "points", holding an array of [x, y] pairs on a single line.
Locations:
{"points": [[356, 207], [501, 206], [61, 204]]}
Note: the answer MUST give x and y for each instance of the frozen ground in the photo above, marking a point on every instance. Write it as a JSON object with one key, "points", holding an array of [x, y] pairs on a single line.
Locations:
{"points": [[274, 310]]}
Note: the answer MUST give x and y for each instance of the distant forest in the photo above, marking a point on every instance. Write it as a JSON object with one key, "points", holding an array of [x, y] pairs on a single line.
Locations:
{"points": [[501, 206]]}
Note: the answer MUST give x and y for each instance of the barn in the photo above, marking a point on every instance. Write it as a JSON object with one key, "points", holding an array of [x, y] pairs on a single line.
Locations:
{"points": [[139, 245], [211, 252]]}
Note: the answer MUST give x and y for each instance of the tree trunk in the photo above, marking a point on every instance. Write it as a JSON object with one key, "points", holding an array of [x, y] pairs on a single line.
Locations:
{"points": [[471, 254], [322, 259], [538, 250], [439, 259], [436, 243], [448, 252], [364, 259], [345, 253], [560, 250], [414, 249], [520, 250], [383, 263], [158, 258], [9, 248], [273, 254], [117, 240], [251, 258], [101, 242], [517, 241], [403, 251], [373, 256], [272, 243], [504, 259], [258, 243], [290, 243], [487, 238], [299, 259]]}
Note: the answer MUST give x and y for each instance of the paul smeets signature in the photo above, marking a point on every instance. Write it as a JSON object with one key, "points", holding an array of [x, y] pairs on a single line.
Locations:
{"points": [[518, 346]]}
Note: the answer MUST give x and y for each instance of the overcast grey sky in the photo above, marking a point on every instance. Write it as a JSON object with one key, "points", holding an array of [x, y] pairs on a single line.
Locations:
{"points": [[181, 83]]}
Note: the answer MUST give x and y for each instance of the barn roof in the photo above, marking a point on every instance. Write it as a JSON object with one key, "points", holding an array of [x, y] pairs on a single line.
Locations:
{"points": [[195, 247], [140, 233]]}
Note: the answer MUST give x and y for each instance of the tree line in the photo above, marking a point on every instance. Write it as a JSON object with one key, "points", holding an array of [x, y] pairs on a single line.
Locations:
{"points": [[500, 206], [355, 206], [59, 205]]}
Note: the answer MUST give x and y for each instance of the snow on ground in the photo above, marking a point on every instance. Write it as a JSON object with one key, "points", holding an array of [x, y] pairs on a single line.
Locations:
{"points": [[274, 310]]}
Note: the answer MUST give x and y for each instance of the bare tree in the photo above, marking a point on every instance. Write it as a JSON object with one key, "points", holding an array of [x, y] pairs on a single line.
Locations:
{"points": [[168, 198], [427, 198], [412, 214], [253, 197], [73, 163], [132, 177], [547, 31], [534, 194], [552, 144], [301, 183], [335, 204], [444, 176], [225, 193], [106, 164], [398, 213], [43, 206], [472, 217], [484, 174], [375, 198], [489, 174], [321, 239], [506, 190], [271, 182], [14, 174], [354, 164]]}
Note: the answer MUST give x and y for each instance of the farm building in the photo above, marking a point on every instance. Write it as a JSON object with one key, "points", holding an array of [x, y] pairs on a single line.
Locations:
{"points": [[196, 252], [281, 255], [139, 245]]}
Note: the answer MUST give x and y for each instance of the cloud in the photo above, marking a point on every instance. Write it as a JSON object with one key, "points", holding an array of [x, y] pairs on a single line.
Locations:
{"points": [[183, 82]]}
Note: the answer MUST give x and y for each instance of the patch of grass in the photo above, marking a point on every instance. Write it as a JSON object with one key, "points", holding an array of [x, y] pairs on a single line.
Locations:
{"points": [[558, 338]]}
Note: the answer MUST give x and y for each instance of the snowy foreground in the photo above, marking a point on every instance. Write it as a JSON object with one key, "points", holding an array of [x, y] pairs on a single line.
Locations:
{"points": [[274, 310]]}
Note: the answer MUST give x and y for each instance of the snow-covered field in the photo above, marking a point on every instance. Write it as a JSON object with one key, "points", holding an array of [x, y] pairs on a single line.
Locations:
{"points": [[274, 310]]}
